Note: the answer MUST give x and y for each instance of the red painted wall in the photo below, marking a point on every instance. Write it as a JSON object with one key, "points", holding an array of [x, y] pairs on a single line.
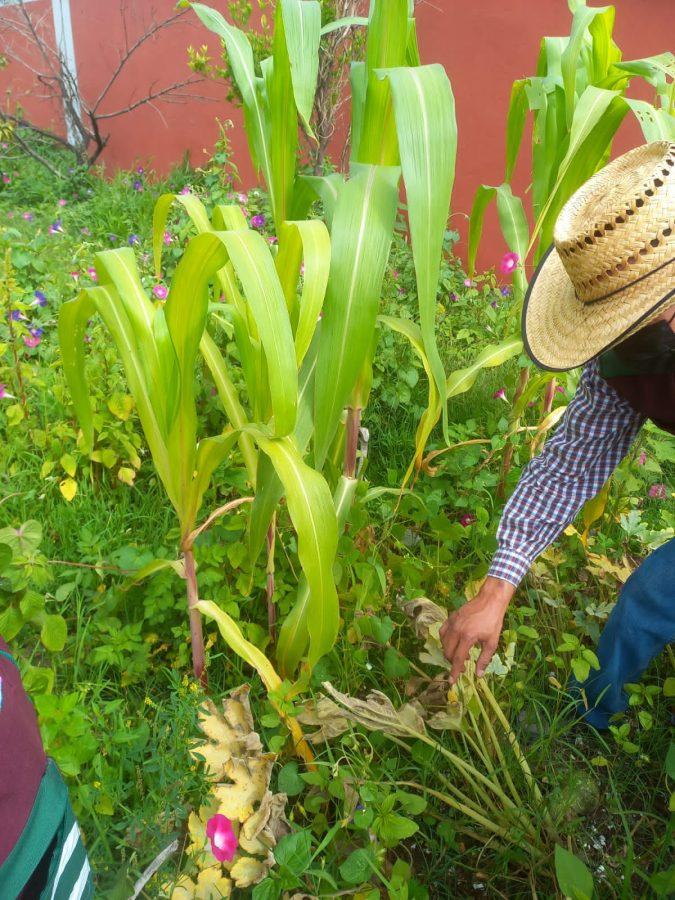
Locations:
{"points": [[484, 45]]}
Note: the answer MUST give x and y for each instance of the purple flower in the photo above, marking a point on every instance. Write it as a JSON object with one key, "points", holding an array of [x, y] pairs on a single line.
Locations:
{"points": [[40, 299], [167, 238], [16, 315], [137, 185], [500, 395], [112, 238], [453, 297], [160, 291], [186, 189], [31, 341], [508, 263], [133, 240], [658, 492], [28, 216], [140, 170], [494, 304], [223, 839], [36, 332], [467, 519], [505, 291], [62, 202], [56, 227]]}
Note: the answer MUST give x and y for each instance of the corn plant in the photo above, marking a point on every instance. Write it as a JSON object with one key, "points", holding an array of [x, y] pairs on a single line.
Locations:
{"points": [[158, 345], [578, 101]]}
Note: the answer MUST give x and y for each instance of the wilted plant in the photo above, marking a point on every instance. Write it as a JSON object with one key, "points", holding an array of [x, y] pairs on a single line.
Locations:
{"points": [[491, 782]]}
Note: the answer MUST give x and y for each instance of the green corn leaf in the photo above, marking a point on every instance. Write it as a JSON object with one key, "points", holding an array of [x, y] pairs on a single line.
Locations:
{"points": [[313, 515], [151, 568], [269, 489], [513, 224], [515, 124], [195, 210], [432, 413], [310, 242], [347, 22], [283, 121], [583, 17], [236, 641], [302, 28], [72, 327], [230, 399], [493, 355], [294, 633], [484, 196], [73, 316], [424, 109], [211, 452], [386, 48], [361, 236], [656, 124], [240, 55], [325, 188], [254, 266], [597, 117], [358, 83]]}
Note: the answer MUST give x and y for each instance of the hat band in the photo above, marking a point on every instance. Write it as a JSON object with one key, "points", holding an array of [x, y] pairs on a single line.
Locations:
{"points": [[629, 284]]}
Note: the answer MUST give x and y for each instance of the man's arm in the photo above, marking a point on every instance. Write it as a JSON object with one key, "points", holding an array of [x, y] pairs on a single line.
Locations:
{"points": [[596, 432]]}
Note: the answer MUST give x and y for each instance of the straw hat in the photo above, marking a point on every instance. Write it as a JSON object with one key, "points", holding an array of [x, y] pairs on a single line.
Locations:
{"points": [[611, 268]]}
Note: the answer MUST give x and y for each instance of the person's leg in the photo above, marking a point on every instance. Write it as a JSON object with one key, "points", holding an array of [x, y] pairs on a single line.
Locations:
{"points": [[639, 627]]}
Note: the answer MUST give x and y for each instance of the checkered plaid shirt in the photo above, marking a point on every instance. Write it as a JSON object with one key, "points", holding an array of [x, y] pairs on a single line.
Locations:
{"points": [[595, 434]]}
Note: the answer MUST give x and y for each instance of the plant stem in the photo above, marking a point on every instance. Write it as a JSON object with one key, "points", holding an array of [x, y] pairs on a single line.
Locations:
{"points": [[196, 633], [352, 441], [269, 590], [508, 455]]}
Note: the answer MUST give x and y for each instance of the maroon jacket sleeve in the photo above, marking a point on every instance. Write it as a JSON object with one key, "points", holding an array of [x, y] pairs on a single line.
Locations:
{"points": [[22, 758]]}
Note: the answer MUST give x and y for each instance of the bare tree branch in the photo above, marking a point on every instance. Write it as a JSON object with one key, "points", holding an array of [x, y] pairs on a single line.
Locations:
{"points": [[85, 139]]}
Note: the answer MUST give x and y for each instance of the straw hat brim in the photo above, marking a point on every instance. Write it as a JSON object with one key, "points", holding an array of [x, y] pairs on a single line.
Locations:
{"points": [[561, 332]]}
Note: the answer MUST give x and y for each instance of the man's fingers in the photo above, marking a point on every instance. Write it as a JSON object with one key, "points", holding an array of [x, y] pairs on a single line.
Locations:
{"points": [[459, 658], [449, 644], [486, 655]]}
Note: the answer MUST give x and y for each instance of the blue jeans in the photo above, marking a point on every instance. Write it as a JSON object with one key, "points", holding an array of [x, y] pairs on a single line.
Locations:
{"points": [[641, 624]]}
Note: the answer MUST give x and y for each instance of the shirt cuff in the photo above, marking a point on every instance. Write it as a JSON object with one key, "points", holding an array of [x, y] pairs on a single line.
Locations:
{"points": [[509, 566]]}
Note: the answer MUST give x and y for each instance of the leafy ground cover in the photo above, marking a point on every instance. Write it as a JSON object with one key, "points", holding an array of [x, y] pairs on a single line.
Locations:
{"points": [[107, 661]]}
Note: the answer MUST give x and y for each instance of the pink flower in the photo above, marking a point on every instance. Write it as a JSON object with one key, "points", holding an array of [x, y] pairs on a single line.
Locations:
{"points": [[559, 389], [302, 269], [160, 291], [31, 340], [186, 189], [508, 263], [75, 276], [242, 198], [642, 459], [4, 393], [468, 282], [6, 179], [258, 221], [500, 395], [62, 202], [167, 238], [658, 491], [394, 274], [467, 519], [223, 839], [272, 239], [91, 272], [28, 216]]}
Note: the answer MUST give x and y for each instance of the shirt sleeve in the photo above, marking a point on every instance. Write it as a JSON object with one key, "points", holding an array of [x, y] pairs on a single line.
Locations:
{"points": [[595, 434]]}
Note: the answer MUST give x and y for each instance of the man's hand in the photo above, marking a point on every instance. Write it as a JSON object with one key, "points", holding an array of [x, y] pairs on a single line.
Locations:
{"points": [[477, 622]]}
